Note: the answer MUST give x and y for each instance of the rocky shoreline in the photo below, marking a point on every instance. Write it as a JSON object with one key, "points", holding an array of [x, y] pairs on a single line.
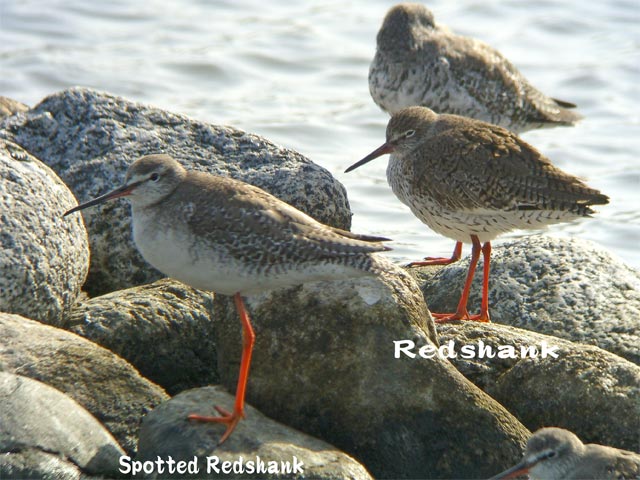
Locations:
{"points": [[116, 366]]}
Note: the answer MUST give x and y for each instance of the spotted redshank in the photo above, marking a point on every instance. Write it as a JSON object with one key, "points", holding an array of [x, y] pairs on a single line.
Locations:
{"points": [[420, 63], [557, 454], [471, 181], [219, 234]]}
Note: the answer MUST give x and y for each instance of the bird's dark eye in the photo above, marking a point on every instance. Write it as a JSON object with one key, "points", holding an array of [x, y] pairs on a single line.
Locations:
{"points": [[154, 177], [409, 133], [551, 454]]}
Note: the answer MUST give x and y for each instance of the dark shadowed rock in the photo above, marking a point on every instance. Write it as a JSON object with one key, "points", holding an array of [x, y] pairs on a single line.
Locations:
{"points": [[585, 389], [37, 417], [324, 364], [166, 432], [89, 138], [164, 329], [97, 379], [562, 287], [43, 258]]}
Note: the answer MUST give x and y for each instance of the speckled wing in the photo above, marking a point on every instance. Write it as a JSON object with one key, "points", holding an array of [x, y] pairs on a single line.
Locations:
{"points": [[252, 223], [479, 166]]}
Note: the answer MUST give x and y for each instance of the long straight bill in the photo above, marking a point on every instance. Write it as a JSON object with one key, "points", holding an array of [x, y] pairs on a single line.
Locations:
{"points": [[381, 150]]}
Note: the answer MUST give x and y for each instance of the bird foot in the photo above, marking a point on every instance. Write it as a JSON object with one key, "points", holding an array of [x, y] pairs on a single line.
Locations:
{"points": [[228, 418], [428, 261], [451, 317]]}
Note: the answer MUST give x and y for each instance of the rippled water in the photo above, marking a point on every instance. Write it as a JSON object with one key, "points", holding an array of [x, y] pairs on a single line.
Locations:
{"points": [[297, 74]]}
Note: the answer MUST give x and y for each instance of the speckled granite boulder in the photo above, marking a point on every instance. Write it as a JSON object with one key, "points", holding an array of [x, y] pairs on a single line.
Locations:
{"points": [[567, 288], [97, 379], [43, 257], [89, 138], [164, 433], [9, 106], [38, 419], [164, 329], [324, 363], [579, 387]]}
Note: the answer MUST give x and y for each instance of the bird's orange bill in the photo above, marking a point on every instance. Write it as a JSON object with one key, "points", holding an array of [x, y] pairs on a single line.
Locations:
{"points": [[118, 192], [515, 471], [381, 150]]}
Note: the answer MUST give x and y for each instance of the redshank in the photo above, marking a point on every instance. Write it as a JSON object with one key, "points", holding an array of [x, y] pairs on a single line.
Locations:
{"points": [[420, 63], [471, 181], [223, 235], [557, 454]]}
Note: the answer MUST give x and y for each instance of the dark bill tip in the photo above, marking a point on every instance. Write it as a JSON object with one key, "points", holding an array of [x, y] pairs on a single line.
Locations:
{"points": [[118, 192], [381, 150]]}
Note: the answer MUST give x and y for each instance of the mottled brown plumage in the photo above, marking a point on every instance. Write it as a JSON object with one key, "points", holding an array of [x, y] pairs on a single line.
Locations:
{"points": [[418, 62], [471, 181], [220, 234]]}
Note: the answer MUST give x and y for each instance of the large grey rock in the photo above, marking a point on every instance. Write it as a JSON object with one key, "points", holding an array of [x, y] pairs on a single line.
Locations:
{"points": [[567, 288], [37, 417], [324, 363], [89, 138], [43, 258], [165, 433], [579, 387], [97, 379], [34, 463], [165, 330]]}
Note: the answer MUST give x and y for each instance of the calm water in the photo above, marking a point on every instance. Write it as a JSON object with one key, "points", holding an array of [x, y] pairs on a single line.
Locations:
{"points": [[297, 74]]}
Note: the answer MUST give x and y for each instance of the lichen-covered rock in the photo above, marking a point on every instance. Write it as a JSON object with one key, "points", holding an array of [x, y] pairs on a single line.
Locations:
{"points": [[90, 138], [166, 432], [567, 288], [164, 329], [38, 418], [44, 258], [582, 388], [324, 363], [97, 379]]}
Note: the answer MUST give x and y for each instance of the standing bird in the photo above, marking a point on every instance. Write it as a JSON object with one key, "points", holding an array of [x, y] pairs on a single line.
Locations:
{"points": [[223, 235], [557, 454], [471, 181], [420, 63]]}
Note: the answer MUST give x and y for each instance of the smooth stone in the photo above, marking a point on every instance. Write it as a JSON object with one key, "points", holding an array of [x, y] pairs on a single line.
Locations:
{"points": [[39, 417], [566, 288], [43, 258], [324, 363], [165, 330], [166, 432], [90, 138], [572, 391], [103, 383], [28, 463]]}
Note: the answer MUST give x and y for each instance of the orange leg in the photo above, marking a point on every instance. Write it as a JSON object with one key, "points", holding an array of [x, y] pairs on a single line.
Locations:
{"points": [[248, 337], [461, 312], [457, 253]]}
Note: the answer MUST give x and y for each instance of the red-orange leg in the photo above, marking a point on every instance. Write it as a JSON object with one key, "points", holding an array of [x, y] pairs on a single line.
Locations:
{"points": [[455, 256], [231, 419], [461, 312]]}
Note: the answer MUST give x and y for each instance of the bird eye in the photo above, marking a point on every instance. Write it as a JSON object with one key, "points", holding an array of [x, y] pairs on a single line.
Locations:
{"points": [[409, 133], [551, 454], [154, 177]]}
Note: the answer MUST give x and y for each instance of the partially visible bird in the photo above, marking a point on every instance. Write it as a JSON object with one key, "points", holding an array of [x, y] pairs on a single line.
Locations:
{"points": [[557, 454], [471, 181], [223, 235], [418, 62]]}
